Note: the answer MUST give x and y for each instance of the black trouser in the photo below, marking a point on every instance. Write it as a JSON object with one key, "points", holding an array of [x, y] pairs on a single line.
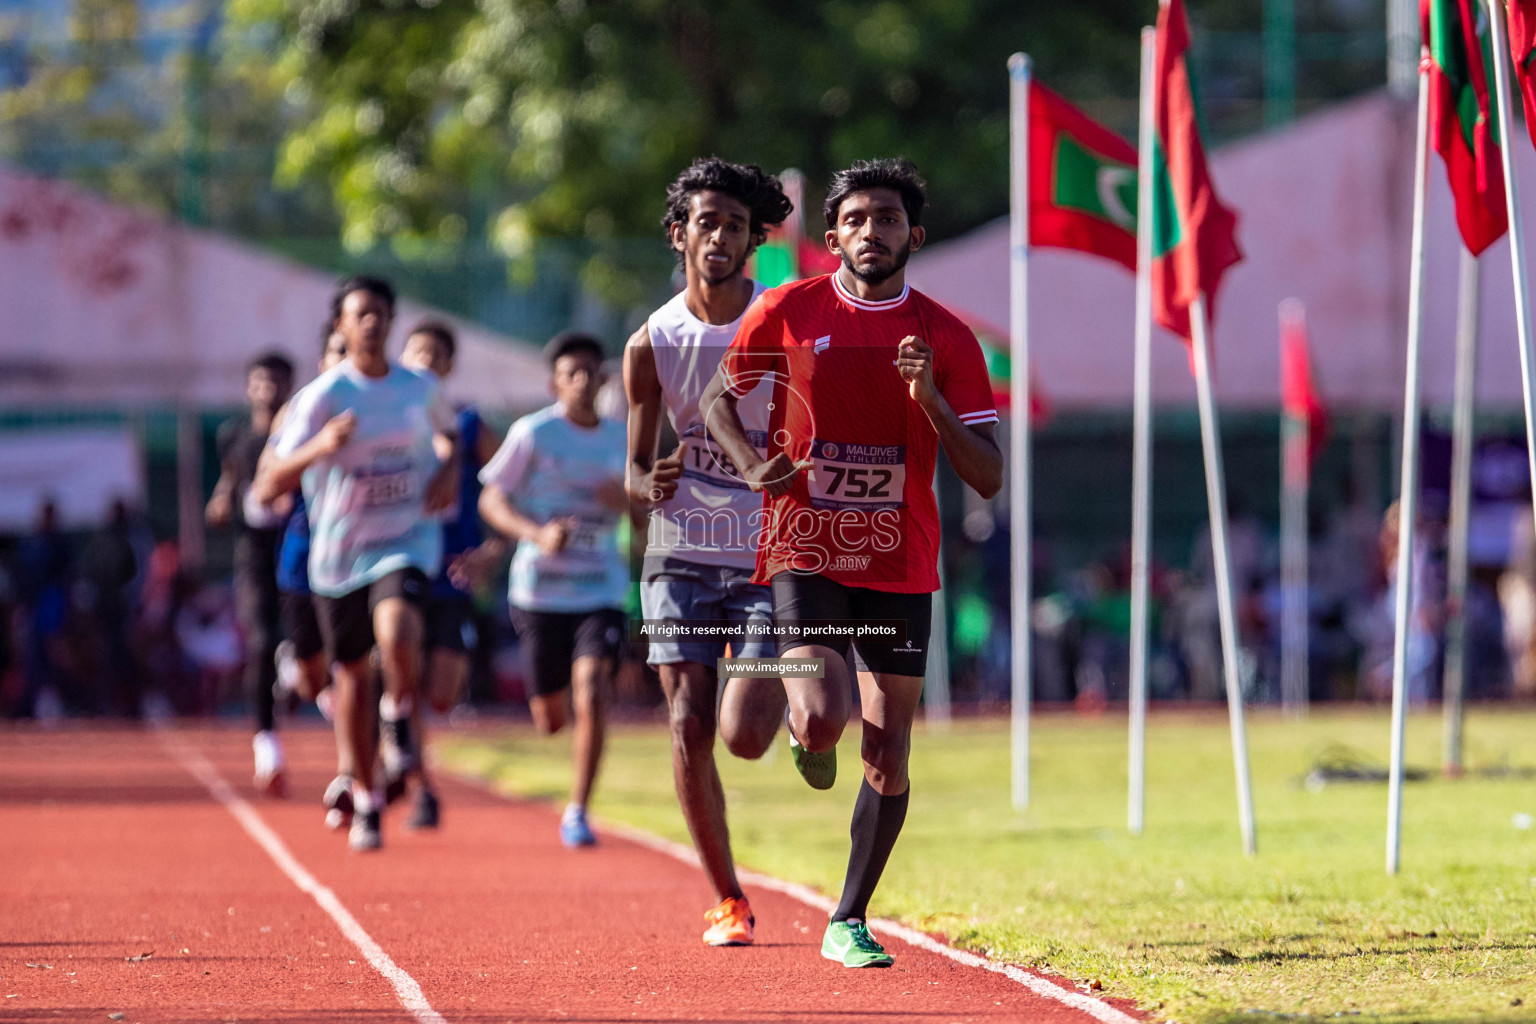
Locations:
{"points": [[256, 602]]}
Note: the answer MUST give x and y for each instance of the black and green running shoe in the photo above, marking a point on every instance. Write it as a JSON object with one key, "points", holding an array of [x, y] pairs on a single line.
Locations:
{"points": [[850, 944]]}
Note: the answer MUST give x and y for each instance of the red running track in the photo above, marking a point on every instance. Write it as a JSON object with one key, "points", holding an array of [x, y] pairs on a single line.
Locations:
{"points": [[113, 848]]}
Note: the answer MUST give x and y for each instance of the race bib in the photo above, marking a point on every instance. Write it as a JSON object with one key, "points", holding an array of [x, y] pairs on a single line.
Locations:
{"points": [[860, 476], [704, 459], [587, 539], [383, 490]]}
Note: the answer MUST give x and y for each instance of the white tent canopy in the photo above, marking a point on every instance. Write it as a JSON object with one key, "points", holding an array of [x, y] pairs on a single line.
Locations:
{"points": [[105, 305], [1324, 215]]}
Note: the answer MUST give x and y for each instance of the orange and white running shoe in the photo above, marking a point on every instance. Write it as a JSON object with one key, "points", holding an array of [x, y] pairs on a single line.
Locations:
{"points": [[730, 924]]}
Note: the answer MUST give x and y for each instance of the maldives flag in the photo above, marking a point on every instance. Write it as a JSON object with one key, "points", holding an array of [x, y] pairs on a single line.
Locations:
{"points": [[1461, 123], [1082, 181], [1194, 237], [1522, 47], [1299, 397], [996, 351]]}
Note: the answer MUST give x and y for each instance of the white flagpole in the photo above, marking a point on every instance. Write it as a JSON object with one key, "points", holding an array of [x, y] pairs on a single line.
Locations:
{"points": [[1294, 590], [1461, 513], [1018, 418], [936, 700], [1408, 502], [1141, 444], [1216, 499]]}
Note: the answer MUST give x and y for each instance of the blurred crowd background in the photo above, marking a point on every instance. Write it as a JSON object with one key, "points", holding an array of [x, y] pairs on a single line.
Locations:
{"points": [[505, 163]]}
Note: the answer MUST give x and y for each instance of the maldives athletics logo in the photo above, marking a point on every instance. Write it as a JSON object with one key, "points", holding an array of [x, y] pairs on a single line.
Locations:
{"points": [[830, 450]]}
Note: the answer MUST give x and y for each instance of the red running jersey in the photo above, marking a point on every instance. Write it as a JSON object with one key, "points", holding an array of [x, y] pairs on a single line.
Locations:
{"points": [[864, 514]]}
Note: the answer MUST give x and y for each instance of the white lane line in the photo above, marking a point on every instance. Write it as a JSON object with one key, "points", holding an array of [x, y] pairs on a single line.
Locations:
{"points": [[406, 990], [1095, 1008]]}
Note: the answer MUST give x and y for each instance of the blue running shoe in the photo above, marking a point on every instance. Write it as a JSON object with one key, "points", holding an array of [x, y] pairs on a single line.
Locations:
{"points": [[575, 832]]}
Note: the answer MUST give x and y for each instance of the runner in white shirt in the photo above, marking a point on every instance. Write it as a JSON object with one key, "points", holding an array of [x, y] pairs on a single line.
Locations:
{"points": [[703, 518], [360, 439], [556, 486]]}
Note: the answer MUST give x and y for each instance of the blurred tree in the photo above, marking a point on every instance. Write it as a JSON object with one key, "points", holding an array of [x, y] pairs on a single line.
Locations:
{"points": [[130, 100], [538, 119]]}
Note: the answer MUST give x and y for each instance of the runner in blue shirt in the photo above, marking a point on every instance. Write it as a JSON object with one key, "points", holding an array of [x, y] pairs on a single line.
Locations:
{"points": [[450, 629]]}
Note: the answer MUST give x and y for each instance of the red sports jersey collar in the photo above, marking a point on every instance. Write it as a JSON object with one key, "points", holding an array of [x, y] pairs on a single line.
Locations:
{"points": [[858, 303]]}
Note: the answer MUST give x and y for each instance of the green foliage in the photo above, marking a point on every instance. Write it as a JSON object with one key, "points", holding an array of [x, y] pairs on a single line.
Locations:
{"points": [[1176, 919], [531, 120], [131, 101]]}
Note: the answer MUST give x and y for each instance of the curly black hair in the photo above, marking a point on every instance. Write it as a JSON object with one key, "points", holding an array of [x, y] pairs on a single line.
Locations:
{"points": [[755, 189], [362, 283], [898, 175]]}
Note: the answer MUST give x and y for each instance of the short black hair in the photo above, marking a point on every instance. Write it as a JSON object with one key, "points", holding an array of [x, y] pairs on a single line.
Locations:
{"points": [[569, 343], [439, 331], [274, 362], [896, 174], [760, 192], [362, 283]]}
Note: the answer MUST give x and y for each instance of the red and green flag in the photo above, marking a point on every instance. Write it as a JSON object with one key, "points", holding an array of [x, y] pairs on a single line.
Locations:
{"points": [[1522, 47], [1082, 181], [1461, 122], [1194, 237], [1299, 397], [996, 351]]}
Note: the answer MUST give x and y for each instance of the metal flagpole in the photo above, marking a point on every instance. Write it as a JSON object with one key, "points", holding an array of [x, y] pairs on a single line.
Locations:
{"points": [[936, 702], [1141, 443], [1408, 503], [1294, 482], [1461, 510], [1018, 418], [1216, 499]]}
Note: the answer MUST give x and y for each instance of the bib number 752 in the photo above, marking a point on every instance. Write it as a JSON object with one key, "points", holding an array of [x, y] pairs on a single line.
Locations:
{"points": [[849, 482]]}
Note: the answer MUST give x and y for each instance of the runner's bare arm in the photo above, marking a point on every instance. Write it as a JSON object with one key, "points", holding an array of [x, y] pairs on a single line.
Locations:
{"points": [[221, 504], [648, 479], [485, 447], [776, 475], [282, 473], [972, 450], [503, 516], [443, 488]]}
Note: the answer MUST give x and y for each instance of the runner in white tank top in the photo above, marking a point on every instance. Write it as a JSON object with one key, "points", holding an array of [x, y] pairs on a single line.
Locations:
{"points": [[713, 517], [704, 522]]}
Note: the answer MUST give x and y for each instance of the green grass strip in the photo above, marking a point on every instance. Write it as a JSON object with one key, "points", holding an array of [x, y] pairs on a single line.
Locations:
{"points": [[1176, 919]]}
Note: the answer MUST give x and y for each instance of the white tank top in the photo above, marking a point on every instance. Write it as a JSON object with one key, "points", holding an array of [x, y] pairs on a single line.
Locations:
{"points": [[713, 518]]}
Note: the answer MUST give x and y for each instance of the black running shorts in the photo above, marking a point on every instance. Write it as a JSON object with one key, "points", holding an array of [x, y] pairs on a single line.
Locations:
{"points": [[805, 598], [346, 622], [300, 625], [451, 625], [551, 641]]}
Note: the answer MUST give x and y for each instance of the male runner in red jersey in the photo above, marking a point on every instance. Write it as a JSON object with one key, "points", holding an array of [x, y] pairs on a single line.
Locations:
{"points": [[869, 377]]}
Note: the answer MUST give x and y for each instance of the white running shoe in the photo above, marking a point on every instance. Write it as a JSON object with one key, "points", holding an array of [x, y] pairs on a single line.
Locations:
{"points": [[327, 705], [271, 766], [288, 671]]}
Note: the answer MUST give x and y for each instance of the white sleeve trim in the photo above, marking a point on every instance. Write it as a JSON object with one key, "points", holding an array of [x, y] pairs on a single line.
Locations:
{"points": [[985, 416]]}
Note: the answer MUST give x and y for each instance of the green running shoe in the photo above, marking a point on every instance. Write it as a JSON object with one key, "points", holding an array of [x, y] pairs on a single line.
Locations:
{"points": [[850, 944], [818, 770]]}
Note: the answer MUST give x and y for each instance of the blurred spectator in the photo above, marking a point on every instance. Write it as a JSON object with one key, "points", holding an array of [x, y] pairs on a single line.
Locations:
{"points": [[1425, 618], [109, 568], [42, 581], [1517, 596], [209, 636]]}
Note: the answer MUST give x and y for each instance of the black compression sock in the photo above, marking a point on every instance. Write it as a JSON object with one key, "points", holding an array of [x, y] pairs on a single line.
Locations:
{"points": [[877, 821]]}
